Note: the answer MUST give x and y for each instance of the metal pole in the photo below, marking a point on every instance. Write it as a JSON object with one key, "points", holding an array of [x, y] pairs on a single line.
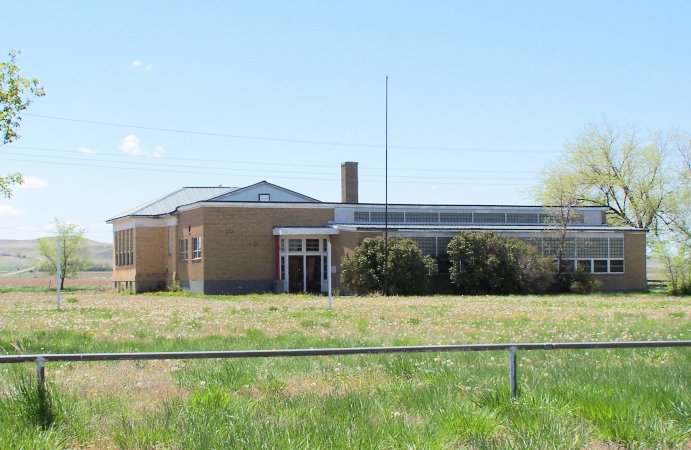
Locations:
{"points": [[386, 191], [57, 273], [41, 376], [512, 372], [328, 270]]}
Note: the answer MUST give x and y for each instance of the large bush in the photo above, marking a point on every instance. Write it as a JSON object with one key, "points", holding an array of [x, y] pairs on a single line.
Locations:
{"points": [[362, 272], [489, 263]]}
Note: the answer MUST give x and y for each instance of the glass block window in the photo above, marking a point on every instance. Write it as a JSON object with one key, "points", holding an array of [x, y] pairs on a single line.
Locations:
{"points": [[521, 218], [312, 245], [548, 219], [294, 245], [592, 247], [428, 245], [535, 242], [600, 265], [456, 217], [616, 247], [490, 217], [421, 217], [551, 247], [362, 216], [442, 243], [616, 265], [378, 216], [584, 265]]}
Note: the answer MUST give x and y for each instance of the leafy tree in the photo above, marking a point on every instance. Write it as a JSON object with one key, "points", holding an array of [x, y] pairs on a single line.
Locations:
{"points": [[16, 95], [645, 182], [676, 260], [641, 180], [72, 242], [362, 272], [489, 263]]}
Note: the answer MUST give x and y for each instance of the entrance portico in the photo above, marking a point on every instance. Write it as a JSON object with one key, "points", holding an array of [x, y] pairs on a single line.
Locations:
{"points": [[302, 263]]}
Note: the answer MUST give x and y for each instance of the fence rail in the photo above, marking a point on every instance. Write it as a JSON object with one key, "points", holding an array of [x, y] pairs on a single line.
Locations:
{"points": [[42, 359]]}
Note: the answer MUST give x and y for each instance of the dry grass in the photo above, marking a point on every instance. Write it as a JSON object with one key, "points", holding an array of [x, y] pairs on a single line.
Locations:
{"points": [[426, 320]]}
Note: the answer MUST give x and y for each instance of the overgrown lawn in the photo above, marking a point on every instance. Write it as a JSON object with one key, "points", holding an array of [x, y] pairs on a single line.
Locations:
{"points": [[567, 399]]}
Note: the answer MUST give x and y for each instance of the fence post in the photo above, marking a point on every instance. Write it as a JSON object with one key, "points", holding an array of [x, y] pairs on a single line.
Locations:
{"points": [[513, 388], [41, 375]]}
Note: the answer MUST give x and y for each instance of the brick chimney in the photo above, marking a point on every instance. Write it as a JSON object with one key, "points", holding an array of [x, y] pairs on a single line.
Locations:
{"points": [[349, 182]]}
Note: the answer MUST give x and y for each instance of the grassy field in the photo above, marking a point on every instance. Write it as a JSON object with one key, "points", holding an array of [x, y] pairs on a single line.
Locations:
{"points": [[568, 399]]}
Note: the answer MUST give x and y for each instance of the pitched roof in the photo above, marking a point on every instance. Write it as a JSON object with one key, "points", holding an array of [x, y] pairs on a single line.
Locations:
{"points": [[168, 203]]}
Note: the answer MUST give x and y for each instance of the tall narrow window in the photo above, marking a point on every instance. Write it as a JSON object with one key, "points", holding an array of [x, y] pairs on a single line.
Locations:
{"points": [[197, 247], [183, 249]]}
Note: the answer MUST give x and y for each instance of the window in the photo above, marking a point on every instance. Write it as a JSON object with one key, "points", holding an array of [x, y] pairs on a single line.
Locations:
{"points": [[421, 217], [378, 216], [361, 216], [183, 249], [490, 217], [584, 265], [521, 218], [567, 265], [592, 247], [455, 217], [616, 247], [427, 245], [264, 197], [170, 241], [616, 265], [123, 243], [295, 245], [283, 267], [312, 245], [197, 247], [600, 265]]}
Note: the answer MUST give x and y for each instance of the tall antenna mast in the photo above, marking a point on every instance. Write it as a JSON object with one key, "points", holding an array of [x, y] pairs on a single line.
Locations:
{"points": [[386, 191]]}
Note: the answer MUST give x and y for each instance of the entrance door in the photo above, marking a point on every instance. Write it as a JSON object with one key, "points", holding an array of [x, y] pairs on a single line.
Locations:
{"points": [[295, 274], [314, 282]]}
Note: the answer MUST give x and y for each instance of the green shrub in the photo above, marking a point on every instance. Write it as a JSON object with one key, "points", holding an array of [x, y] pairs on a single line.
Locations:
{"points": [[409, 271], [175, 286], [489, 263], [580, 282]]}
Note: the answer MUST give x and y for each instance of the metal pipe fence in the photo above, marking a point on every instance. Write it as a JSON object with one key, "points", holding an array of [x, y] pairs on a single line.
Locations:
{"points": [[42, 359]]}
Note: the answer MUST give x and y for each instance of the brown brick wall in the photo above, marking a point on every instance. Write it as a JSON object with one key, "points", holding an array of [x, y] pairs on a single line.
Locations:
{"points": [[634, 277], [149, 256], [239, 242], [191, 224]]}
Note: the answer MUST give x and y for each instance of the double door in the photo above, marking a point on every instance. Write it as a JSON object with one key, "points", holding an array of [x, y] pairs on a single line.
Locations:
{"points": [[304, 273]]}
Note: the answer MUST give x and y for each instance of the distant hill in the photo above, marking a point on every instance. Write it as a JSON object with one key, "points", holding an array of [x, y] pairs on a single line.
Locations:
{"points": [[22, 254]]}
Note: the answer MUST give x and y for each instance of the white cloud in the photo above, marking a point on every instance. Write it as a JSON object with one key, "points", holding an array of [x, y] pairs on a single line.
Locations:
{"points": [[132, 145], [138, 64], [34, 183], [7, 210], [87, 150]]}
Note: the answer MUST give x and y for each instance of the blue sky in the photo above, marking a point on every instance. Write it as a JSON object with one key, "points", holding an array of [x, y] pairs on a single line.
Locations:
{"points": [[481, 96]]}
